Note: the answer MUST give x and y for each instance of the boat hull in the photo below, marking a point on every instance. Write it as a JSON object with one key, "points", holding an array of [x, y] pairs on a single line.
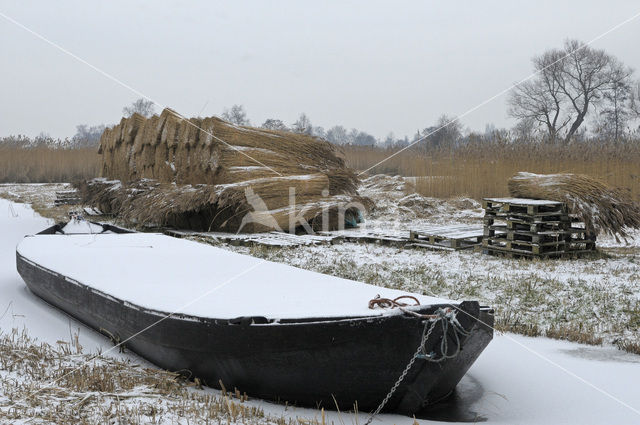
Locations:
{"points": [[311, 362]]}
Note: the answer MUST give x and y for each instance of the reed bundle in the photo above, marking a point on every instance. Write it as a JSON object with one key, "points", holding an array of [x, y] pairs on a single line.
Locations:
{"points": [[601, 207], [208, 174], [170, 149], [227, 207]]}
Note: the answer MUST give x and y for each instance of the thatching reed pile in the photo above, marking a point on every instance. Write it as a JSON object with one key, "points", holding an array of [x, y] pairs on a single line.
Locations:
{"points": [[208, 174], [602, 208], [169, 149]]}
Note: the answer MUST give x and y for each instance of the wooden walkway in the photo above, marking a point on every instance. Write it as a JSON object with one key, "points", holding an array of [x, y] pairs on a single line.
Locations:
{"points": [[269, 239], [451, 237]]}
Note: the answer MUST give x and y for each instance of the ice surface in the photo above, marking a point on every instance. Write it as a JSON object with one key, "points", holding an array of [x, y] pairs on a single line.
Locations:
{"points": [[175, 275]]}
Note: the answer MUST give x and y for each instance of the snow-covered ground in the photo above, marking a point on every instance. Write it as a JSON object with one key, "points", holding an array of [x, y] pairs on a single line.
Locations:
{"points": [[517, 380]]}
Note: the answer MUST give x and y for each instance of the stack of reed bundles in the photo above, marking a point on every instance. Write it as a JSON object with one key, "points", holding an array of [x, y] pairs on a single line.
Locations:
{"points": [[199, 174]]}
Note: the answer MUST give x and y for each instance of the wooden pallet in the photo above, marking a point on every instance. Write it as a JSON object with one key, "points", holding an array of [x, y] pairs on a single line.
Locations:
{"points": [[523, 206], [380, 237], [549, 235], [497, 251], [454, 237], [539, 248], [67, 197], [548, 219]]}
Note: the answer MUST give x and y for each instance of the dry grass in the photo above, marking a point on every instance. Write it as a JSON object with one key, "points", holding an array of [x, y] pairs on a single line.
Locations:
{"points": [[41, 198], [575, 332], [59, 384], [483, 169], [47, 165], [629, 346]]}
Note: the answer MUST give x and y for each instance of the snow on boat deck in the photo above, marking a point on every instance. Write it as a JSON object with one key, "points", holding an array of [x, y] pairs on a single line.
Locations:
{"points": [[162, 273]]}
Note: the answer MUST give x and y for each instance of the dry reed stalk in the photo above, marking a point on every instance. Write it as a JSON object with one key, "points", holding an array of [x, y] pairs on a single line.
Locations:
{"points": [[46, 165]]}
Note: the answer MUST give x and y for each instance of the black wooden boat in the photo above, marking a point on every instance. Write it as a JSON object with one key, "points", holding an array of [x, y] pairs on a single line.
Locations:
{"points": [[308, 359]]}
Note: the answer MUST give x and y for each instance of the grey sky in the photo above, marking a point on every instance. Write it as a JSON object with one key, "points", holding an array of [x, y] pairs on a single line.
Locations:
{"points": [[377, 66]]}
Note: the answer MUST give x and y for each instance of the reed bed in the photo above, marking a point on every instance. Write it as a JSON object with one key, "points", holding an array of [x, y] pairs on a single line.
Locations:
{"points": [[47, 165], [44, 383], [483, 169]]}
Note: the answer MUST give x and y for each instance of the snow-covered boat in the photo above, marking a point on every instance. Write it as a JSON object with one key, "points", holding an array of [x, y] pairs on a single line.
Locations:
{"points": [[268, 329]]}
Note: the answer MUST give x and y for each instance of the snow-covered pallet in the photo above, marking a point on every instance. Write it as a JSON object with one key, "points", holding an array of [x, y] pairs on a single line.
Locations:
{"points": [[270, 239], [518, 253], [529, 207], [67, 197], [454, 237], [533, 228], [369, 236]]}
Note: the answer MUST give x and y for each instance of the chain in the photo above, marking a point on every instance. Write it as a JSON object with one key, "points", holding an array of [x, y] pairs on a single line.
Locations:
{"points": [[425, 337]]}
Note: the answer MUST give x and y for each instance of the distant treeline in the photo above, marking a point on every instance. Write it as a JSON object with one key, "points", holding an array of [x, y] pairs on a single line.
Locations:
{"points": [[85, 137]]}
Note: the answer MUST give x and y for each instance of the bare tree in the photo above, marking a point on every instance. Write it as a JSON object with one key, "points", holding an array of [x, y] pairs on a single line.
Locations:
{"points": [[570, 83], [274, 124], [390, 140], [447, 131], [302, 125], [236, 115], [584, 76], [541, 100], [618, 103], [338, 135], [87, 136], [525, 130], [364, 139], [635, 100], [141, 106], [319, 131]]}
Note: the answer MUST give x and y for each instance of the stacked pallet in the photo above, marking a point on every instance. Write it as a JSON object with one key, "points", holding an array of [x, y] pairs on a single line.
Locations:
{"points": [[519, 227]]}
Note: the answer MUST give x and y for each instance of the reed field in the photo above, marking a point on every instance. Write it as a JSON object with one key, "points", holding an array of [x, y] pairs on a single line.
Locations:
{"points": [[483, 169], [475, 171], [47, 165]]}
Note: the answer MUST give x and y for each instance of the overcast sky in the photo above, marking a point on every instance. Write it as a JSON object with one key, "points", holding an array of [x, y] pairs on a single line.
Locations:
{"points": [[377, 66]]}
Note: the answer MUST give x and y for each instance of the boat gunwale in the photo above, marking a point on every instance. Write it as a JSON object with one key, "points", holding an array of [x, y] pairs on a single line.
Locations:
{"points": [[219, 321]]}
